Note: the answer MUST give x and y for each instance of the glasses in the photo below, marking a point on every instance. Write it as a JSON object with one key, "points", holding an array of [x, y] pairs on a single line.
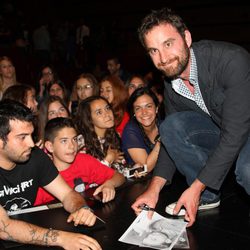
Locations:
{"points": [[86, 87], [47, 73]]}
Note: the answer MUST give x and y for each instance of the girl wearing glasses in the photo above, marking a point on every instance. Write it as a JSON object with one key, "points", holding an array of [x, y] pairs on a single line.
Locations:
{"points": [[85, 86]]}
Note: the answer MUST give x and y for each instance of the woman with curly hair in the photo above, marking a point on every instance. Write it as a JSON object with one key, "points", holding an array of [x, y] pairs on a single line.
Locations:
{"points": [[95, 121], [112, 88]]}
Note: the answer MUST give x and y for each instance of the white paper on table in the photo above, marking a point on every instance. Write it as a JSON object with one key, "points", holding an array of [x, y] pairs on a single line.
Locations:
{"points": [[157, 233], [183, 241]]}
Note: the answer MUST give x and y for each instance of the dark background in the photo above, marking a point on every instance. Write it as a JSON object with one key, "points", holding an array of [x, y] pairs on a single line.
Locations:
{"points": [[113, 23], [210, 19]]}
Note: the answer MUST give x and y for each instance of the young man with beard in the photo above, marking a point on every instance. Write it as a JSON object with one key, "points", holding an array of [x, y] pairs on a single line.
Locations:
{"points": [[23, 169], [207, 86]]}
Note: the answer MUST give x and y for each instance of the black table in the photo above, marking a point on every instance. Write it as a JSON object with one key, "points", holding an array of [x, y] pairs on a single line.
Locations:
{"points": [[226, 227]]}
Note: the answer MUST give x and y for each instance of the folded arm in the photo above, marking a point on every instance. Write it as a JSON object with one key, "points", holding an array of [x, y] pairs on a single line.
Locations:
{"points": [[139, 155]]}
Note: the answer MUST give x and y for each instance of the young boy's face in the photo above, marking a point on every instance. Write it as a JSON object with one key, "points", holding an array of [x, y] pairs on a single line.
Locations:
{"points": [[63, 148]]}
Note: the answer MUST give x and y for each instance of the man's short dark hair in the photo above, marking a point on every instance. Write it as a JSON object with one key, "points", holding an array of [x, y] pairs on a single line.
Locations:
{"points": [[162, 16], [53, 126], [12, 110]]}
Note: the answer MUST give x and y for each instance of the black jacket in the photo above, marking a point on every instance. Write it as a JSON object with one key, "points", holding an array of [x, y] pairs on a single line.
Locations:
{"points": [[224, 81]]}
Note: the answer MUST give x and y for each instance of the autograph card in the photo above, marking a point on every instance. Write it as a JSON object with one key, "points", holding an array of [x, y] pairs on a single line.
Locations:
{"points": [[157, 233]]}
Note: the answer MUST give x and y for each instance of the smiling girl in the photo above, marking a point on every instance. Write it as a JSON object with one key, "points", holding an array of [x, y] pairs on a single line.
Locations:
{"points": [[140, 139]]}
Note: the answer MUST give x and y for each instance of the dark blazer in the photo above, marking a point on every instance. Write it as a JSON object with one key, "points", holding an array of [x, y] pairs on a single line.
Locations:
{"points": [[224, 80]]}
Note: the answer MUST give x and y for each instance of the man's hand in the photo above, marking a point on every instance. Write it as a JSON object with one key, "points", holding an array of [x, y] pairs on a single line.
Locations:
{"points": [[148, 198], [31, 234], [82, 216], [108, 192], [74, 241], [190, 199]]}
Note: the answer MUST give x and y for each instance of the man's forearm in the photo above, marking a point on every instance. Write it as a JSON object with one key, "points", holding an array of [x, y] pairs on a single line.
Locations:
{"points": [[19, 231], [156, 184], [73, 201], [164, 166], [198, 186]]}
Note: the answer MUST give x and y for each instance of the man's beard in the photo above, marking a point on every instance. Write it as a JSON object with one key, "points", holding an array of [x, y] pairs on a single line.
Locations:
{"points": [[17, 157], [182, 62], [20, 158]]}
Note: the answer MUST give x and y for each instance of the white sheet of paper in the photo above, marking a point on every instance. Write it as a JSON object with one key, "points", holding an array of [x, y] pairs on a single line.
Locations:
{"points": [[157, 233]]}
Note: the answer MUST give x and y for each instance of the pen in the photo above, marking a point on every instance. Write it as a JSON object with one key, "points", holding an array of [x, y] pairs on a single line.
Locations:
{"points": [[101, 219], [146, 207]]}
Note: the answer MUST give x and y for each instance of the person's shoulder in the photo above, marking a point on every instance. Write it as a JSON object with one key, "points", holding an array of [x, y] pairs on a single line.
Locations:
{"points": [[126, 115], [131, 125], [215, 46], [86, 162], [219, 53], [125, 120], [36, 152], [130, 129], [39, 157], [159, 122], [84, 157]]}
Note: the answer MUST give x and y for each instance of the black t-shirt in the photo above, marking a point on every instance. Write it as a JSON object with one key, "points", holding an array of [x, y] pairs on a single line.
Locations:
{"points": [[18, 187]]}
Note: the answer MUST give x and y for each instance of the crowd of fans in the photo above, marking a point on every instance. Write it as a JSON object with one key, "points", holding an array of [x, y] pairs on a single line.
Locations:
{"points": [[61, 69], [91, 130], [101, 110]]}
